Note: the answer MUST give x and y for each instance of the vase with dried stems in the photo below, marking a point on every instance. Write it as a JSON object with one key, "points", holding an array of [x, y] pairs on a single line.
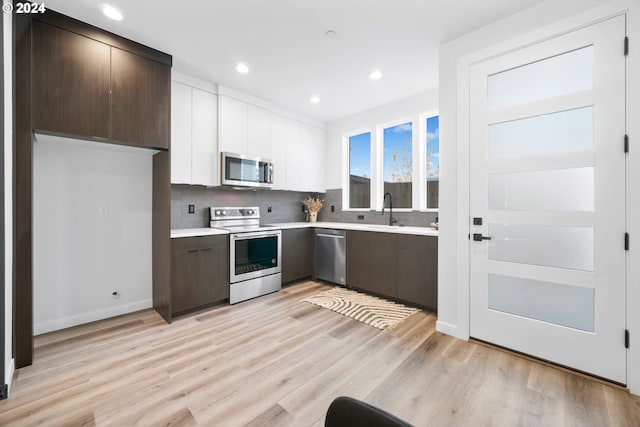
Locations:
{"points": [[313, 206]]}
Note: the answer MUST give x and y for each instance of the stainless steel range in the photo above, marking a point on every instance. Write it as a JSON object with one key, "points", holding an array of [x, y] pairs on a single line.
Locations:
{"points": [[255, 267]]}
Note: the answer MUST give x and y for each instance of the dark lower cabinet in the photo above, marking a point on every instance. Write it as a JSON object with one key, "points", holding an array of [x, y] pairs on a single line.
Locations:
{"points": [[296, 254], [418, 270], [199, 272], [399, 266], [141, 97], [359, 259], [383, 263]]}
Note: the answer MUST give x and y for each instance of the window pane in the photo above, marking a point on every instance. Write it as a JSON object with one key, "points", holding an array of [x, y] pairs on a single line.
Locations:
{"points": [[398, 161], [360, 170], [433, 161], [546, 245], [565, 305], [553, 133], [556, 76]]}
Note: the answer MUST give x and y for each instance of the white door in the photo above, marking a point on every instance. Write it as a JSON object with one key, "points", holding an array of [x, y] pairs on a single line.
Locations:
{"points": [[548, 186]]}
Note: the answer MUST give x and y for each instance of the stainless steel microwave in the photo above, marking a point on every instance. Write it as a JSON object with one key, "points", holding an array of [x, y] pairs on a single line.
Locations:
{"points": [[245, 171]]}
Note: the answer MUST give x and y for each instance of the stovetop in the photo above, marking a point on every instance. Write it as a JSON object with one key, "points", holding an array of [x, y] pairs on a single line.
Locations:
{"points": [[237, 219]]}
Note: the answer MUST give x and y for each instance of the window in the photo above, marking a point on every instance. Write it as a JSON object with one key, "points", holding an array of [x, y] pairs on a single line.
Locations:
{"points": [[433, 161], [398, 163], [360, 170]]}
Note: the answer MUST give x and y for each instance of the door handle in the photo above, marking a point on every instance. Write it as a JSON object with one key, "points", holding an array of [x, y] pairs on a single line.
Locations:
{"points": [[477, 237]]}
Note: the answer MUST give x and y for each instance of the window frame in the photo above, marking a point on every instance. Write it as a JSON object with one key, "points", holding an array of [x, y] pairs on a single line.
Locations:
{"points": [[423, 156], [346, 207], [378, 179]]}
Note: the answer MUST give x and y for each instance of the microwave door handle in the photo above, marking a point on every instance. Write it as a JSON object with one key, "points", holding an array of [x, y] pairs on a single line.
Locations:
{"points": [[269, 173]]}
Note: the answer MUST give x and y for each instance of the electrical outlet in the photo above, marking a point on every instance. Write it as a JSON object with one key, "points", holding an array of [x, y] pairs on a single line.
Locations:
{"points": [[333, 208], [361, 217], [103, 209], [303, 208], [192, 209], [268, 209]]}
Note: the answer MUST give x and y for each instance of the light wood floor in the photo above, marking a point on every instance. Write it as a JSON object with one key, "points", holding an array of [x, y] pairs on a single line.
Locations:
{"points": [[277, 361]]}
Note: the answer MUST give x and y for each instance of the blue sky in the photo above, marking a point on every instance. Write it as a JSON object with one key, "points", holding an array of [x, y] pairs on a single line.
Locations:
{"points": [[360, 155], [433, 147], [394, 137], [397, 141]]}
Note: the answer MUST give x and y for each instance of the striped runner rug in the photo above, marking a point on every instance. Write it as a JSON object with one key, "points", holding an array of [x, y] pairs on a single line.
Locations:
{"points": [[373, 311]]}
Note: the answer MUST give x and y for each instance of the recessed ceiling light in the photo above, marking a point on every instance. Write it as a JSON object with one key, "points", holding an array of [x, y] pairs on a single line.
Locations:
{"points": [[111, 12], [330, 34], [242, 68], [315, 99], [375, 75]]}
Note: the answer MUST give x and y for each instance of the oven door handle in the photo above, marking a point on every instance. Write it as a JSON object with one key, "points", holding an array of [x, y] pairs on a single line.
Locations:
{"points": [[245, 236]]}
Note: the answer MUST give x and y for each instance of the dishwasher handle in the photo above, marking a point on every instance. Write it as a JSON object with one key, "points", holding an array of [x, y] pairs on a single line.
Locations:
{"points": [[333, 236]]}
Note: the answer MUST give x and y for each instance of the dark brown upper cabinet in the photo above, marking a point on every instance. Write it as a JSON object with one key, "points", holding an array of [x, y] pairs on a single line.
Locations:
{"points": [[71, 76], [141, 96], [94, 85]]}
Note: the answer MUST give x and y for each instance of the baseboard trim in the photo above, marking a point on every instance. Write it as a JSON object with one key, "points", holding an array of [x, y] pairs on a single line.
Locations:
{"points": [[79, 319], [449, 329]]}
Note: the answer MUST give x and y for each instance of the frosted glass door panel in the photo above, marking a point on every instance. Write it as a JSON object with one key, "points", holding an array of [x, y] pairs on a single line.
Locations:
{"points": [[555, 133], [559, 75], [547, 190], [545, 245], [564, 305]]}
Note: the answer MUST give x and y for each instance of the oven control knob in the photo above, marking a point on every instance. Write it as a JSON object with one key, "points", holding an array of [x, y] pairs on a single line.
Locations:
{"points": [[223, 213], [218, 213], [250, 212]]}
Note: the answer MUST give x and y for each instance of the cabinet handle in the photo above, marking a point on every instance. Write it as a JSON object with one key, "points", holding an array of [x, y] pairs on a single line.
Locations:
{"points": [[192, 250], [206, 249]]}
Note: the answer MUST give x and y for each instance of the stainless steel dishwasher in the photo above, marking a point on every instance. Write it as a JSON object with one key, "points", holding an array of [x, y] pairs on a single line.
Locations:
{"points": [[331, 250]]}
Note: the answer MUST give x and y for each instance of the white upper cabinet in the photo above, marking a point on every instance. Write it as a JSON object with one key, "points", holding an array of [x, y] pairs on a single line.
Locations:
{"points": [[194, 136], [279, 151], [258, 132], [294, 181], [233, 125], [180, 133], [312, 157], [205, 162], [244, 128]]}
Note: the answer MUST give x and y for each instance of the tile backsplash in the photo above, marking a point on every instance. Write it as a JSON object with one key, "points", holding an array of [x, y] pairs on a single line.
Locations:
{"points": [[286, 206]]}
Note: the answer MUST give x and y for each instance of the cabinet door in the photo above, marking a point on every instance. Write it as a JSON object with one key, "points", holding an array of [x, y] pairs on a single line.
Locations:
{"points": [[140, 101], [359, 259], [258, 132], [204, 157], [199, 271], [233, 125], [294, 179], [317, 153], [70, 78], [418, 270], [296, 254], [383, 263], [279, 151], [310, 169], [180, 133]]}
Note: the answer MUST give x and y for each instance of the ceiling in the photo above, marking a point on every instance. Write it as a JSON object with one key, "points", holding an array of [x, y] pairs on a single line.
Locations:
{"points": [[284, 44]]}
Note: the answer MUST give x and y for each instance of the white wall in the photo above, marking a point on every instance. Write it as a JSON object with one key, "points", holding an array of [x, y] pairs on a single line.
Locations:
{"points": [[8, 364], [534, 24], [410, 107], [92, 231]]}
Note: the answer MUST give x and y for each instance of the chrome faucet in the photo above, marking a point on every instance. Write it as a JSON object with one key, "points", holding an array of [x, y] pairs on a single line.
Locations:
{"points": [[392, 220]]}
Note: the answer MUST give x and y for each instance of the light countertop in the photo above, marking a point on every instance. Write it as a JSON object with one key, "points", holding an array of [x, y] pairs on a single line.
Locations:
{"points": [[398, 229], [194, 232]]}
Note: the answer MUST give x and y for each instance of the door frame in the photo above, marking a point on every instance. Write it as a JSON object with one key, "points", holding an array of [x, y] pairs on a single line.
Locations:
{"points": [[457, 297]]}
